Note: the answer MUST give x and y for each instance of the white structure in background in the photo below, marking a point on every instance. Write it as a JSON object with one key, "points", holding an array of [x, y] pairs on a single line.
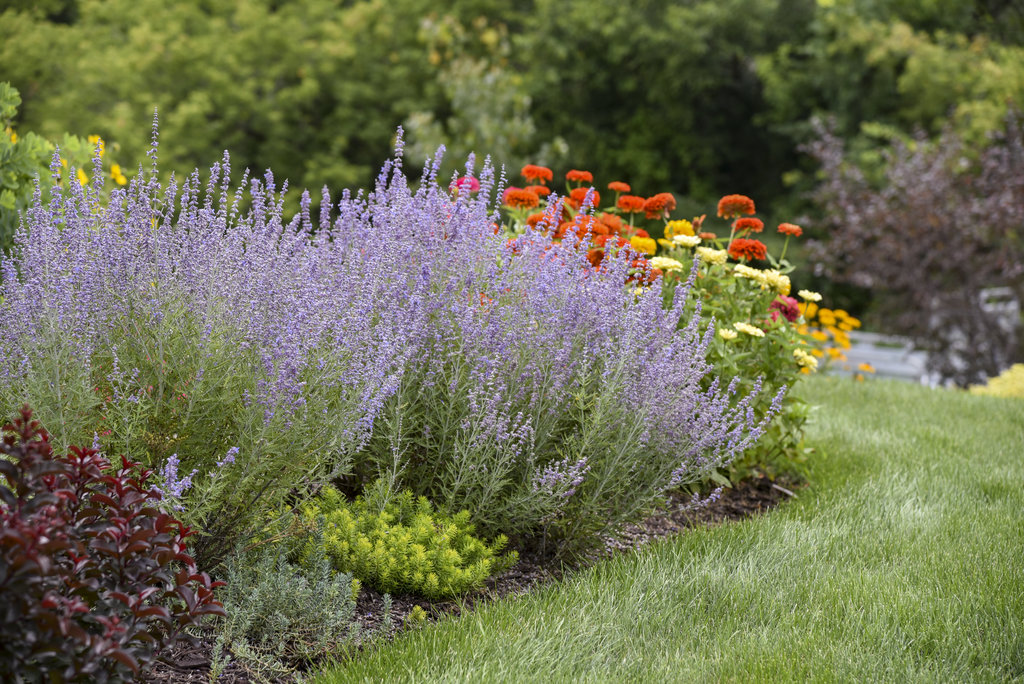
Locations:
{"points": [[895, 357]]}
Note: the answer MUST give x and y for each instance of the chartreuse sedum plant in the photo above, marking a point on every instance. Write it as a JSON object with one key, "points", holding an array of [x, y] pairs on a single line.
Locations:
{"points": [[403, 548], [1009, 383]]}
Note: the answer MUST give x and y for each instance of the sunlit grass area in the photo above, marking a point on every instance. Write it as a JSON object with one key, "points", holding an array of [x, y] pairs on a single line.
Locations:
{"points": [[899, 562]]}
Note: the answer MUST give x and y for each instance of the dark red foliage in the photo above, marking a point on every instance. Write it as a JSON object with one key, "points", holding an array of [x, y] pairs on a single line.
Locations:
{"points": [[928, 236], [95, 580]]}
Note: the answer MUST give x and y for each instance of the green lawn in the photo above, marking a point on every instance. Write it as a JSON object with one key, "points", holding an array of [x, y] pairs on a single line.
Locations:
{"points": [[903, 560]]}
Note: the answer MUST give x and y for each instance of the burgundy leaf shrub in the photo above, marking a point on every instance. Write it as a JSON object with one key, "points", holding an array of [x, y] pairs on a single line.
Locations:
{"points": [[940, 226], [94, 579]]}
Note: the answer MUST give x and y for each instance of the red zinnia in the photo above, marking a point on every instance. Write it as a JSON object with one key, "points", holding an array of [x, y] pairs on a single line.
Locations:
{"points": [[640, 232], [631, 204], [753, 225], [791, 229], [707, 236], [541, 190], [735, 205], [518, 198], [619, 186], [578, 176], [467, 183], [594, 256], [579, 194], [659, 205], [742, 248], [532, 172]]}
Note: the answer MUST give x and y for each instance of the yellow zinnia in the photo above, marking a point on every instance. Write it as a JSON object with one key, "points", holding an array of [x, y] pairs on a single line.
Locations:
{"points": [[678, 227], [643, 245]]}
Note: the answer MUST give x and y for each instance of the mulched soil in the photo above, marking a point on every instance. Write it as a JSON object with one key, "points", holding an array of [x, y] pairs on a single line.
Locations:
{"points": [[752, 497]]}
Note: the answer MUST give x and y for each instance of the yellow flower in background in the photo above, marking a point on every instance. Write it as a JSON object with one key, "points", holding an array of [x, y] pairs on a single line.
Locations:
{"points": [[866, 368], [749, 329], [808, 310], [665, 264], [809, 296], [643, 245], [727, 334], [678, 227], [11, 134], [819, 335], [836, 353], [715, 257], [826, 317], [82, 178], [64, 162], [95, 140], [686, 240], [115, 173]]}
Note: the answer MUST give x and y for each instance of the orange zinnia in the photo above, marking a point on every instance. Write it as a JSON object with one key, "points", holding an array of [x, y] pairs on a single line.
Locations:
{"points": [[532, 172], [631, 204], [707, 236], [742, 248], [613, 222], [579, 194], [791, 229], [752, 225], [735, 205], [541, 190], [595, 256], [533, 219], [659, 205], [518, 198], [619, 186], [578, 176]]}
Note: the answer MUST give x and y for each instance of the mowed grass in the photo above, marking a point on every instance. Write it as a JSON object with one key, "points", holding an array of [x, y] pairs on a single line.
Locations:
{"points": [[902, 561]]}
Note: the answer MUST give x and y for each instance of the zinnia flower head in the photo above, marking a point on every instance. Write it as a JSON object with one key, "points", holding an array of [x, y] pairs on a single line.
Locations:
{"points": [[665, 263], [631, 204], [809, 296], [727, 334], [707, 236], [686, 240], [791, 229], [659, 205], [678, 227], [716, 257], [537, 174], [619, 186], [613, 222], [743, 248], [540, 190], [748, 329], [749, 225], [577, 176], [731, 206], [467, 183], [787, 306], [578, 195], [640, 232], [644, 245], [777, 281], [804, 359], [519, 198]]}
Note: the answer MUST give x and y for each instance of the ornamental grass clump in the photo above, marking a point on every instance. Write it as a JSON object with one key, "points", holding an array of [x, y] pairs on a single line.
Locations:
{"points": [[399, 339]]}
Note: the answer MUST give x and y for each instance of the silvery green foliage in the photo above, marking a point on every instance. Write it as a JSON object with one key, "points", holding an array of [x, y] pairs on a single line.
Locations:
{"points": [[398, 339]]}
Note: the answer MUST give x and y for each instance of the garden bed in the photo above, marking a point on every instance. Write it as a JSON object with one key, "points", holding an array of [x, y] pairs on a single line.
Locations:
{"points": [[751, 497]]}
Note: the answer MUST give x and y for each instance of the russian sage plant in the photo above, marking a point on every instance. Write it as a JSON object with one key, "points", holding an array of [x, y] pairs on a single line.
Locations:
{"points": [[399, 341]]}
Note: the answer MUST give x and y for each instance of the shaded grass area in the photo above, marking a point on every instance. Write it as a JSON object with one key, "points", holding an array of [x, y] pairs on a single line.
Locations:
{"points": [[901, 561]]}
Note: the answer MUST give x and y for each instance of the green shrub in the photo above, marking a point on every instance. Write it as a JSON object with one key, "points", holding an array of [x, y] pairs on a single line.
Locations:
{"points": [[403, 547], [281, 616]]}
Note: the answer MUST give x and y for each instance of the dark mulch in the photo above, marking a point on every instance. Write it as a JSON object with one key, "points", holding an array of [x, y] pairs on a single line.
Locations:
{"points": [[751, 497]]}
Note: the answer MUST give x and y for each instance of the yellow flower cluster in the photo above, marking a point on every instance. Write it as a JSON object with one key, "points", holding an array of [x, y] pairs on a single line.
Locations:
{"points": [[679, 227], [115, 173], [828, 326], [1008, 384]]}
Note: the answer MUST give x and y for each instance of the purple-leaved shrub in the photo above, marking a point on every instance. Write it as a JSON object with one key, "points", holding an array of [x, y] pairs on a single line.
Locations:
{"points": [[398, 342]]}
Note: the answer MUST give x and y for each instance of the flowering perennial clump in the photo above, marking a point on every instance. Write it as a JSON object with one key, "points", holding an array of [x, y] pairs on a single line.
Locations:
{"points": [[396, 337]]}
